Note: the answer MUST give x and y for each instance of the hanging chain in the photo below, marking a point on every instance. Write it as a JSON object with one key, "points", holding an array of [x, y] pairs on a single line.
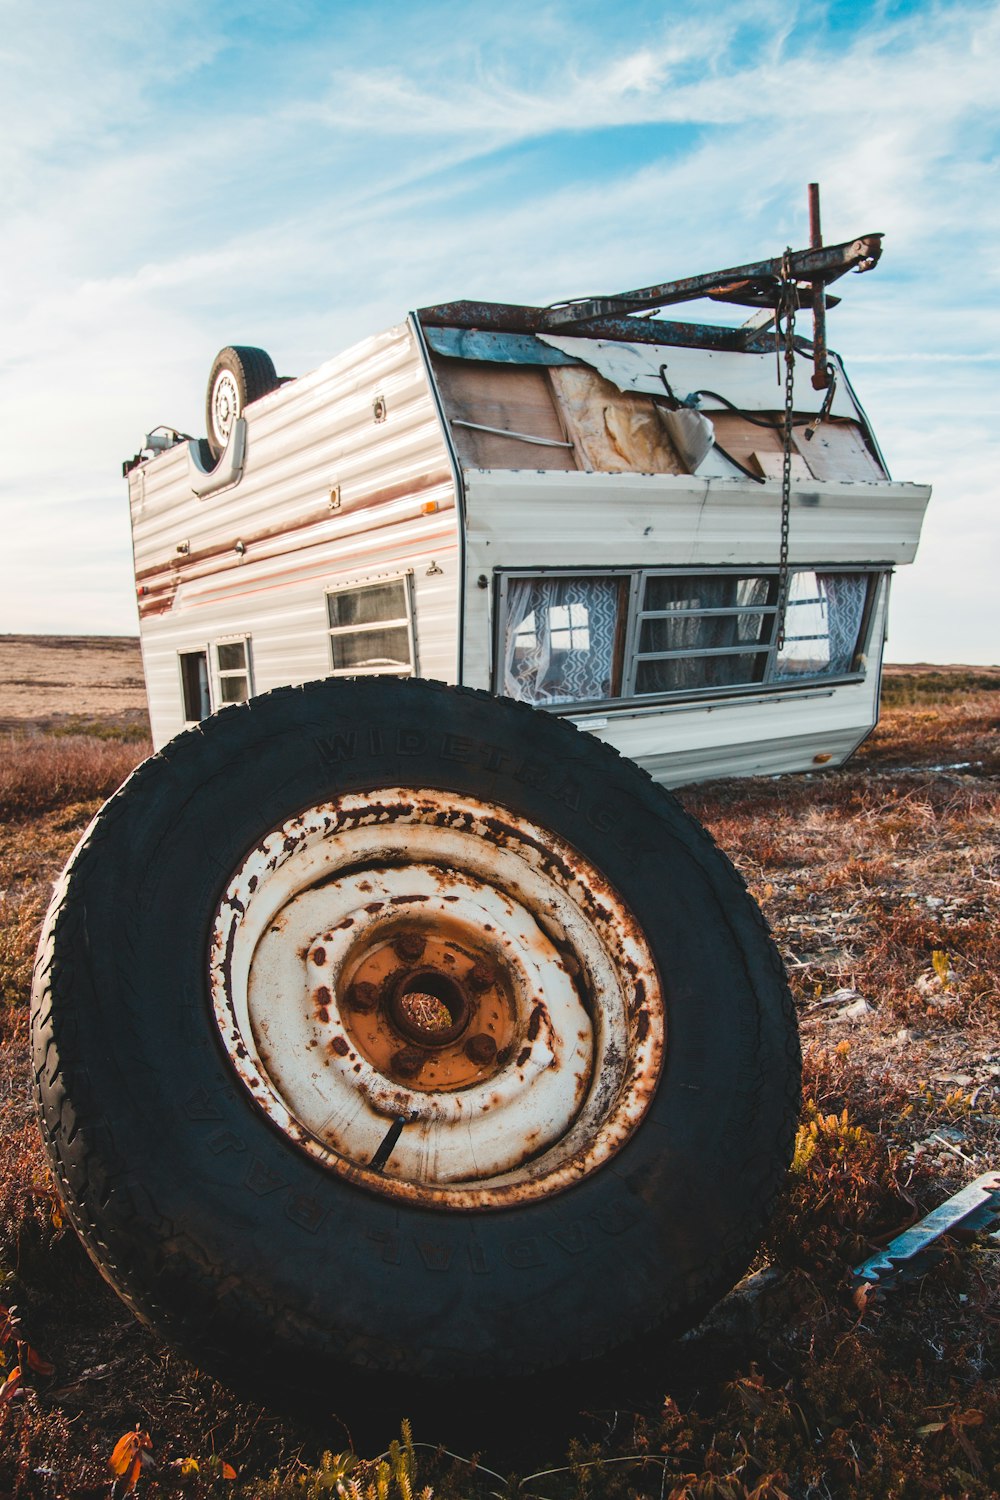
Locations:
{"points": [[788, 298]]}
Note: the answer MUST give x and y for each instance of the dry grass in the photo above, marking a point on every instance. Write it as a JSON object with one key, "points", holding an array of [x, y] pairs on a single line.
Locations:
{"points": [[881, 882], [41, 773]]}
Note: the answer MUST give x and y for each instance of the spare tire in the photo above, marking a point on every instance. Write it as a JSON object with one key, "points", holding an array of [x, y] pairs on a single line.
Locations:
{"points": [[240, 375], [385, 1026]]}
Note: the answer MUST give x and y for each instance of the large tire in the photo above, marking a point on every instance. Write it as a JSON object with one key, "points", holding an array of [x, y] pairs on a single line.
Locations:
{"points": [[168, 1105], [239, 376]]}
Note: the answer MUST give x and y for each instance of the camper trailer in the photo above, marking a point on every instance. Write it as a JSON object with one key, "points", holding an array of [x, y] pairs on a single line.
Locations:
{"points": [[679, 535]]}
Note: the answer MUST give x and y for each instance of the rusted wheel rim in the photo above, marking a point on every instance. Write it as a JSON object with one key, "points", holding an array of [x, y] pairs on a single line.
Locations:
{"points": [[437, 998]]}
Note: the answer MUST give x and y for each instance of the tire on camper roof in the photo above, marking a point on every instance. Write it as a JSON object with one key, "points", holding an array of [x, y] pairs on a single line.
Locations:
{"points": [[385, 1026], [239, 376]]}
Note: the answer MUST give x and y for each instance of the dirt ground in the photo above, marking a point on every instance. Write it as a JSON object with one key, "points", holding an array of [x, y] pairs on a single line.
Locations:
{"points": [[61, 681]]}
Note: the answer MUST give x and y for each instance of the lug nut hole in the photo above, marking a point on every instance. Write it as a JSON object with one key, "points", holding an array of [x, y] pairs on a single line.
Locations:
{"points": [[429, 1008]]}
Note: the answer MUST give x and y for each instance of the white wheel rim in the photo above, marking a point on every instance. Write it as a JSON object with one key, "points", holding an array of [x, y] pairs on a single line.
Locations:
{"points": [[436, 998], [224, 405]]}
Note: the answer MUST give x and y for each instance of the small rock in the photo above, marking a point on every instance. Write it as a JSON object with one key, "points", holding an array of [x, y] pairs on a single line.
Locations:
{"points": [[856, 1011]]}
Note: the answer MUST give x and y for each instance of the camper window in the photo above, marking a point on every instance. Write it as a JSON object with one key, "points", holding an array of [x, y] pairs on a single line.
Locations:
{"points": [[564, 639], [702, 631], [194, 685], [822, 623], [233, 663], [371, 629]]}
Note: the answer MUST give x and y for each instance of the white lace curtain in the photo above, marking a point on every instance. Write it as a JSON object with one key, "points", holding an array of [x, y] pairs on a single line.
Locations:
{"points": [[559, 639], [823, 623]]}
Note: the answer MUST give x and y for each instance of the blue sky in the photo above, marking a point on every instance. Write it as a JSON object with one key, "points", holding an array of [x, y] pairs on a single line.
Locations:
{"points": [[181, 176]]}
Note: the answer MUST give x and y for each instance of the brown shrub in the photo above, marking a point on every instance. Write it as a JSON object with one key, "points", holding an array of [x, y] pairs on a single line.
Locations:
{"points": [[38, 774], [963, 732]]}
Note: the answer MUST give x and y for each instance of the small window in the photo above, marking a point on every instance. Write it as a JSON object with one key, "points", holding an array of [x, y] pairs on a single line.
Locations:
{"points": [[233, 663], [704, 631], [194, 686], [371, 629]]}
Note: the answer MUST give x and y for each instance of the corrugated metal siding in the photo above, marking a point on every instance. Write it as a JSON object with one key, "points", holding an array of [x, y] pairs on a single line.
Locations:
{"points": [[396, 512], [527, 520]]}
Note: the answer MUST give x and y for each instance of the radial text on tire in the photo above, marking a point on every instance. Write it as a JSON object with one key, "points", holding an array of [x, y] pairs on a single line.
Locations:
{"points": [[391, 1027]]}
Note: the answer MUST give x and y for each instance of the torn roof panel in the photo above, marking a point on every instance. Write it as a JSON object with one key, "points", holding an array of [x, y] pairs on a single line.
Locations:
{"points": [[748, 381]]}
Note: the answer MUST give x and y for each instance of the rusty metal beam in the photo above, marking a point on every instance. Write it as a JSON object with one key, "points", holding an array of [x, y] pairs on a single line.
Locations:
{"points": [[508, 317], [745, 295], [819, 264], [821, 375]]}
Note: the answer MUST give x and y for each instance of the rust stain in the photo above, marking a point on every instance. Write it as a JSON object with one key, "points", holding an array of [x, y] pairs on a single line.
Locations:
{"points": [[409, 945], [481, 1048], [535, 1021], [492, 1031], [184, 568], [362, 996]]}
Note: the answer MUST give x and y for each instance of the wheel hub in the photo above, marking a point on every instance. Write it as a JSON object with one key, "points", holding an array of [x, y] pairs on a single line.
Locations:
{"points": [[225, 404], [430, 1003], [436, 998]]}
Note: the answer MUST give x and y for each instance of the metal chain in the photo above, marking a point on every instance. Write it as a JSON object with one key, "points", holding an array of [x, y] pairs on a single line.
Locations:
{"points": [[788, 297]]}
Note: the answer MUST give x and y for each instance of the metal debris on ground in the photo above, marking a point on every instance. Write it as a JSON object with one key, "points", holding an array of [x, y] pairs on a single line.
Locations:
{"points": [[971, 1210]]}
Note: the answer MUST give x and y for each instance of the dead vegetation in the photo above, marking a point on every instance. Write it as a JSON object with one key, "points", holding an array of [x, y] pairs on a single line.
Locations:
{"points": [[47, 773], [881, 883]]}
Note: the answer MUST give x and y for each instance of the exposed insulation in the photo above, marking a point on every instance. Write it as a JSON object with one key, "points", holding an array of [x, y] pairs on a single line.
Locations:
{"points": [[613, 430]]}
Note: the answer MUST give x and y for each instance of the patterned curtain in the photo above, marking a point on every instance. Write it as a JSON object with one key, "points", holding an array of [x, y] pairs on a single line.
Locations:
{"points": [[845, 607], [559, 639], [823, 623]]}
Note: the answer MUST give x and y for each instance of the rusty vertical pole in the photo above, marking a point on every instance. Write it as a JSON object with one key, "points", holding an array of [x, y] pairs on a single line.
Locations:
{"points": [[821, 376]]}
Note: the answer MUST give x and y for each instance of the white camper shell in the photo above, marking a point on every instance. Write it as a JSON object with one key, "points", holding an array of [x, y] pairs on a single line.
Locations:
{"points": [[576, 507]]}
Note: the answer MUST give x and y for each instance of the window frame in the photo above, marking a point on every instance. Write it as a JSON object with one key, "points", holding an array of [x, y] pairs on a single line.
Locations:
{"points": [[354, 586], [205, 652], [503, 577], [626, 668], [240, 639]]}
